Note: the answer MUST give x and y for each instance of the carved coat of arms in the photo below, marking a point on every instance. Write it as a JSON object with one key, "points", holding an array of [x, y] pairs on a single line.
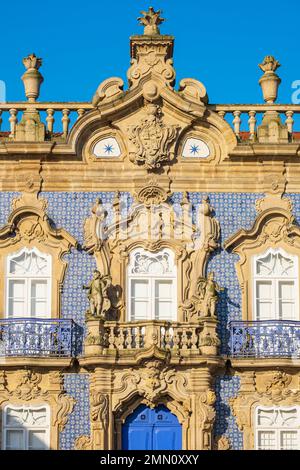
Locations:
{"points": [[152, 139]]}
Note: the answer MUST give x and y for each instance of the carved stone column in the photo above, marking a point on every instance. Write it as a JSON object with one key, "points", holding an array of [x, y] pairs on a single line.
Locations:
{"points": [[101, 416]]}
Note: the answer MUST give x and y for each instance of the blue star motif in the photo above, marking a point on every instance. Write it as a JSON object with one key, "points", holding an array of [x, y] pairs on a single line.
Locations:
{"points": [[108, 148], [194, 149]]}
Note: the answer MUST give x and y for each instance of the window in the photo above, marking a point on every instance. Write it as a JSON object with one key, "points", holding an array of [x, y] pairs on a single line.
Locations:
{"points": [[26, 428], [276, 286], [152, 286], [28, 291], [277, 428]]}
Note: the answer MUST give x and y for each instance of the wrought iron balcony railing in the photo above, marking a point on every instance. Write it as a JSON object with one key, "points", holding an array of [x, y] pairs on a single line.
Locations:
{"points": [[272, 338], [32, 337]]}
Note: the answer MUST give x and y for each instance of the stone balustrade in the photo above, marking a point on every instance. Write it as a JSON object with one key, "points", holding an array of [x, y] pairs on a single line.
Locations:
{"points": [[138, 335], [132, 336], [51, 113], [245, 118]]}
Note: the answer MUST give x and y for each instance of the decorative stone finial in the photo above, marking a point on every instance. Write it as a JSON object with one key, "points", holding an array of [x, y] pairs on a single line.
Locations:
{"points": [[270, 64], [32, 78], [269, 82], [32, 62], [151, 21]]}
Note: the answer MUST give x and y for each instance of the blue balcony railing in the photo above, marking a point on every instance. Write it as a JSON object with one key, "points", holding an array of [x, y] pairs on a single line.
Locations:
{"points": [[272, 338], [32, 337]]}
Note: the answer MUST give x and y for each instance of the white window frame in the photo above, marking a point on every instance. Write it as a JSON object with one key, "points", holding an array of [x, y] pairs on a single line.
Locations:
{"points": [[278, 430], [28, 278], [25, 427], [152, 282], [275, 283]]}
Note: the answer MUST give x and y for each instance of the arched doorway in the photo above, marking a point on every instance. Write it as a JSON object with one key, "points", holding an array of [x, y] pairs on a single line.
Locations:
{"points": [[151, 429]]}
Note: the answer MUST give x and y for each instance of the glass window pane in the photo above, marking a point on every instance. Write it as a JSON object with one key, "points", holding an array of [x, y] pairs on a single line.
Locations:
{"points": [[14, 439], [164, 289], [16, 298], [266, 440], [139, 309], [289, 440], [14, 417], [140, 289], [39, 298], [36, 440]]}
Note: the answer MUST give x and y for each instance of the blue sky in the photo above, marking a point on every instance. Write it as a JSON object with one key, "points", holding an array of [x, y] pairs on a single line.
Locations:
{"points": [[218, 42]]}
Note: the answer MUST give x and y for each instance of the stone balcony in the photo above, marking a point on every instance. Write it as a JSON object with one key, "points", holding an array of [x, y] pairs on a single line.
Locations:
{"points": [[123, 340], [265, 339], [38, 338]]}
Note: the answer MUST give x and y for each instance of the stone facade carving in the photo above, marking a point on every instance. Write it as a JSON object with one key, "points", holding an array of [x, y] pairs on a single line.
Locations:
{"points": [[83, 443], [29, 226], [35, 388], [153, 224], [203, 303], [268, 388], [98, 295], [151, 20], [222, 443], [274, 227], [151, 140]]}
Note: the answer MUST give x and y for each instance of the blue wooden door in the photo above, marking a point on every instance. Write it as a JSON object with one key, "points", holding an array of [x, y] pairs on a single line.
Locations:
{"points": [[151, 429]]}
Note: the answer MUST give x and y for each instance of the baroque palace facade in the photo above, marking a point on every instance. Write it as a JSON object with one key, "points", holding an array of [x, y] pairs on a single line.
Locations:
{"points": [[149, 251]]}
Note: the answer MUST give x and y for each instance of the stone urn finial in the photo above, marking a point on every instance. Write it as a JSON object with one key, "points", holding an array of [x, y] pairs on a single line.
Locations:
{"points": [[270, 81], [151, 20], [32, 78]]}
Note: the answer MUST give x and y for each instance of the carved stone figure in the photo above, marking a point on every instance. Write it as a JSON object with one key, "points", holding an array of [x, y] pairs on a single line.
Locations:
{"points": [[98, 296], [203, 303], [152, 139]]}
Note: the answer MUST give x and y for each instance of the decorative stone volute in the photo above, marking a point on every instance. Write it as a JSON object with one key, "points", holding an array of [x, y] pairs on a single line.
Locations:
{"points": [[270, 81], [32, 78]]}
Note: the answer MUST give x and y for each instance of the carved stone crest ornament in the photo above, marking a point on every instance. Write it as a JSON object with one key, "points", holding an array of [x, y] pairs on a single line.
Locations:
{"points": [[151, 139]]}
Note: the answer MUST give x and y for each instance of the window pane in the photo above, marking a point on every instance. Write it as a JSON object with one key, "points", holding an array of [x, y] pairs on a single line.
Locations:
{"points": [[39, 298], [289, 440], [16, 298], [164, 300], [264, 304], [14, 440], [36, 440], [286, 300], [266, 440], [139, 299], [140, 289], [14, 418]]}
